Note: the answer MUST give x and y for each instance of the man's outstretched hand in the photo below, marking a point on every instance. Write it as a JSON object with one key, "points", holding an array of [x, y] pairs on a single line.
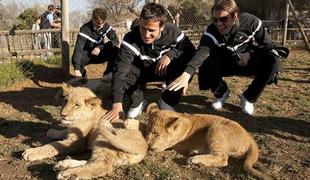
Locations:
{"points": [[115, 113], [180, 82]]}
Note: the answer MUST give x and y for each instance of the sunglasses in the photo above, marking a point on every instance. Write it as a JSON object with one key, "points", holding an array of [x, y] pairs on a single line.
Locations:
{"points": [[223, 19]]}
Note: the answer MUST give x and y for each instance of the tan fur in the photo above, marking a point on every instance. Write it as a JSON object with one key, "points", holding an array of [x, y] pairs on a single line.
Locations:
{"points": [[213, 139], [110, 146]]}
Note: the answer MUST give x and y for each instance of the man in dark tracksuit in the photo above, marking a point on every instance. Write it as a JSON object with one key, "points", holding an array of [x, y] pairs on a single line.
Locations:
{"points": [[90, 47], [227, 48], [155, 50]]}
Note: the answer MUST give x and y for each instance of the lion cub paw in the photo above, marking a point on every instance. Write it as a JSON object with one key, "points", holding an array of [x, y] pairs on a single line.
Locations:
{"points": [[33, 154], [131, 124], [193, 160], [64, 176], [70, 174], [68, 163]]}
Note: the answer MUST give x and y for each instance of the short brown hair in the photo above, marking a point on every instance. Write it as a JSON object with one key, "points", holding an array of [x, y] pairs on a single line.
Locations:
{"points": [[99, 13], [154, 11], [227, 5], [51, 7]]}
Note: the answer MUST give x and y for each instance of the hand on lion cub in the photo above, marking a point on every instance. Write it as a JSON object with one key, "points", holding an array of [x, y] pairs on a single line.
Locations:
{"points": [[212, 138], [110, 146]]}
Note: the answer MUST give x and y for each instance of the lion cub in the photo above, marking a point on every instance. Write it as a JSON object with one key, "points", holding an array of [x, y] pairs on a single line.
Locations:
{"points": [[212, 138], [110, 146]]}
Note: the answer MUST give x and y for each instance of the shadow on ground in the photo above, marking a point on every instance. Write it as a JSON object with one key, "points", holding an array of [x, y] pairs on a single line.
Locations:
{"points": [[31, 100]]}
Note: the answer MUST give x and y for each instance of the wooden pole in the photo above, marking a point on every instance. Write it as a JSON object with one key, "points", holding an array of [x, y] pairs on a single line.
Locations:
{"points": [[285, 24], [299, 25], [65, 38]]}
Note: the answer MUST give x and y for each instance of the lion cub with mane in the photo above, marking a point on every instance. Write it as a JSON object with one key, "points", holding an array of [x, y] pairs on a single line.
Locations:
{"points": [[110, 146], [212, 138]]}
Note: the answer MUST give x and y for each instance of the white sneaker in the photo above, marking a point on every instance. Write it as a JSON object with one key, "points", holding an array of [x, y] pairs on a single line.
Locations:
{"points": [[246, 106], [164, 106], [134, 112], [219, 102]]}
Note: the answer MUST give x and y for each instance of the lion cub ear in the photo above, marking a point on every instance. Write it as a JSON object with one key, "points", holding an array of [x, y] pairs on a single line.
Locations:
{"points": [[66, 89], [94, 101], [63, 92], [153, 107], [175, 125]]}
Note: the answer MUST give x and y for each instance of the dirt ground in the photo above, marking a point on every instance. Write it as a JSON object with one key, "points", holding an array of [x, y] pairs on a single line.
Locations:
{"points": [[280, 126]]}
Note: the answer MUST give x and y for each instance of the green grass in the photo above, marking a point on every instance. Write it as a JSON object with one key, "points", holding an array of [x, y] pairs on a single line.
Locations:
{"points": [[54, 60], [10, 74]]}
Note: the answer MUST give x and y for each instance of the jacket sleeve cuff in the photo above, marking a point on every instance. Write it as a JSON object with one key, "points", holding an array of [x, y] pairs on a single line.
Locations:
{"points": [[76, 67], [101, 46], [170, 55], [190, 70], [117, 99]]}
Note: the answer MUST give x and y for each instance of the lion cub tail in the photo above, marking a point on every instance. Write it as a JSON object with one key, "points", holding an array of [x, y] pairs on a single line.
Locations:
{"points": [[251, 158], [153, 107]]}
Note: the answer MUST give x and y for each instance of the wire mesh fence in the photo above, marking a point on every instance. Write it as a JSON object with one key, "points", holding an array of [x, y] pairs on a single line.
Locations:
{"points": [[191, 16]]}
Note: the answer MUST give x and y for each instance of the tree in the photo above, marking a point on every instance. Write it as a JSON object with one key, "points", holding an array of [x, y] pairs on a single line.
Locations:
{"points": [[117, 9], [263, 9], [192, 12], [302, 5], [8, 14], [78, 20], [27, 18]]}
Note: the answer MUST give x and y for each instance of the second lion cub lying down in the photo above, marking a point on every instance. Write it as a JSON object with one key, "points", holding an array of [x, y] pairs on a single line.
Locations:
{"points": [[212, 138]]}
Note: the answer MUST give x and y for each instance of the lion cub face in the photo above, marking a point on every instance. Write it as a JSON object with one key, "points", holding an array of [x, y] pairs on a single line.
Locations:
{"points": [[165, 128], [81, 104]]}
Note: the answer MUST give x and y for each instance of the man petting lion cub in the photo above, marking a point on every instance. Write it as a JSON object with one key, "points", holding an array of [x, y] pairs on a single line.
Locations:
{"points": [[213, 139], [110, 146]]}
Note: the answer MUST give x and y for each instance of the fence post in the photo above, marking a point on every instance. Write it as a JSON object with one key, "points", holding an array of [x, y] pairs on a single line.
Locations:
{"points": [[285, 23], [301, 30], [65, 38]]}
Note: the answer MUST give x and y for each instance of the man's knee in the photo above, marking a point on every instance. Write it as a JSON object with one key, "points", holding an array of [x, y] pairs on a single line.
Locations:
{"points": [[209, 68], [274, 63], [272, 68]]}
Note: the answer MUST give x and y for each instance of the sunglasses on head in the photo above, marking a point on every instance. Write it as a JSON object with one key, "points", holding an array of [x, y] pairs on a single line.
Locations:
{"points": [[223, 19]]}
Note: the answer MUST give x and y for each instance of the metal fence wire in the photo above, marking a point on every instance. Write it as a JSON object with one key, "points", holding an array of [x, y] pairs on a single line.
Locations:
{"points": [[192, 16]]}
